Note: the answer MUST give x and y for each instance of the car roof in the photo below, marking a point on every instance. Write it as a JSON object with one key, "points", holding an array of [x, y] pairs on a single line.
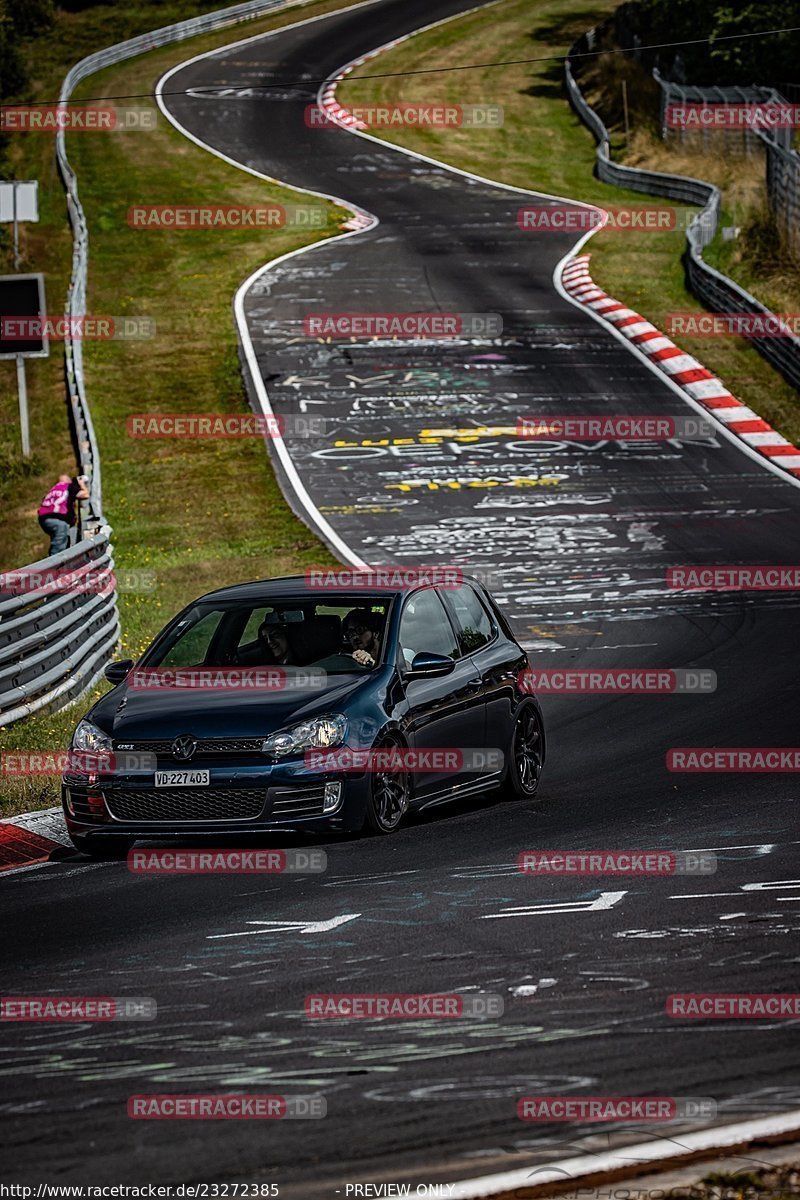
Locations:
{"points": [[298, 585]]}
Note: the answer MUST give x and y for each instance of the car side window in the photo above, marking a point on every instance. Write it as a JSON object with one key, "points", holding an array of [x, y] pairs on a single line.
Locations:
{"points": [[254, 623], [474, 626], [192, 645], [425, 628]]}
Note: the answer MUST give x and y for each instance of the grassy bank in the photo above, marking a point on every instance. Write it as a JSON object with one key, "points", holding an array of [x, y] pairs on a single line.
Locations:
{"points": [[115, 170], [543, 145], [197, 514]]}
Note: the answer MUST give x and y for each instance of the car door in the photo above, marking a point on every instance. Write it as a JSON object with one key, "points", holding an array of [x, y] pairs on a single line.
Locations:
{"points": [[497, 659], [445, 712]]}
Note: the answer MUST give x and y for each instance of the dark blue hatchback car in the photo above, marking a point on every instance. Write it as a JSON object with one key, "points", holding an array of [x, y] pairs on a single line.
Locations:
{"points": [[278, 704]]}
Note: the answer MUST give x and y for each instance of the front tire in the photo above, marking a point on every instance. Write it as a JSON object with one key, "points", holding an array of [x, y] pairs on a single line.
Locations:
{"points": [[103, 847], [527, 755], [389, 793]]}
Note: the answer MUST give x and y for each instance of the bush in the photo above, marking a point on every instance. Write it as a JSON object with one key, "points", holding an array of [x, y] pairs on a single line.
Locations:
{"points": [[769, 61]]}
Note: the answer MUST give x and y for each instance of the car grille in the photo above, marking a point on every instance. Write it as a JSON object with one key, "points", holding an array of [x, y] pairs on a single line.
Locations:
{"points": [[297, 802], [185, 804], [204, 746]]}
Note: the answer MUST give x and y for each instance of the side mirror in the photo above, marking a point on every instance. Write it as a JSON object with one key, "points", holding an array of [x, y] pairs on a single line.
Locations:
{"points": [[429, 666], [115, 672]]}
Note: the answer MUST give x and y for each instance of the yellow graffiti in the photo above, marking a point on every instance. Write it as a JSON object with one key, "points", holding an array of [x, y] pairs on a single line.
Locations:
{"points": [[435, 437], [350, 510], [471, 433], [456, 484], [340, 444]]}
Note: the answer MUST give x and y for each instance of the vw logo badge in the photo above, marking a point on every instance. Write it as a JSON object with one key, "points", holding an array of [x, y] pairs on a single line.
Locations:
{"points": [[184, 747]]}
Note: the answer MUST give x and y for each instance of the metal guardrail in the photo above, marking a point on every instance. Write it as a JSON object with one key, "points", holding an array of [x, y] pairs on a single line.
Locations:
{"points": [[51, 640], [717, 291], [54, 644]]}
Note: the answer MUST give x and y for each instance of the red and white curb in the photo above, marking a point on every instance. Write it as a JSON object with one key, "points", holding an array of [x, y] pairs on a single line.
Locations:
{"points": [[33, 838], [339, 115], [327, 97], [359, 221], [683, 369]]}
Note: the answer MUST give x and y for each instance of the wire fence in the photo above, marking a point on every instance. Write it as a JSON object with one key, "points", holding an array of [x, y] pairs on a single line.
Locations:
{"points": [[715, 290], [775, 141]]}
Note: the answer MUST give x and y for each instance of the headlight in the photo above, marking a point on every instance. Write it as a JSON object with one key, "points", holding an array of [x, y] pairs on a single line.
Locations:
{"points": [[88, 737], [316, 734]]}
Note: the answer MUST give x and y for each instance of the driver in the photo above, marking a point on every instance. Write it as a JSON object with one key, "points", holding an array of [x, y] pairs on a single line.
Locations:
{"points": [[362, 629], [276, 639]]}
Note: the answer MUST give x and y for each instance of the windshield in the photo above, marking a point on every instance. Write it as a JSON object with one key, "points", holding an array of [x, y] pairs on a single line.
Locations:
{"points": [[339, 638]]}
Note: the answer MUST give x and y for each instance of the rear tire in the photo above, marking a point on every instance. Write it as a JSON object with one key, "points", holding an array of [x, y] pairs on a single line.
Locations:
{"points": [[102, 847], [389, 794], [527, 756]]}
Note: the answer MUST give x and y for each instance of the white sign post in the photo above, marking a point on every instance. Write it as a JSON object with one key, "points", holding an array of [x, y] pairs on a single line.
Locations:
{"points": [[19, 201], [24, 424]]}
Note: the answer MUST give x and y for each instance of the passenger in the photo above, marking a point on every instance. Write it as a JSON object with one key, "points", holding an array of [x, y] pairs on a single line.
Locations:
{"points": [[362, 629], [276, 638]]}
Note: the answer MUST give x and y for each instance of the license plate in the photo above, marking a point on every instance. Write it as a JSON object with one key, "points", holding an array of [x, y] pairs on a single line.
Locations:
{"points": [[181, 778]]}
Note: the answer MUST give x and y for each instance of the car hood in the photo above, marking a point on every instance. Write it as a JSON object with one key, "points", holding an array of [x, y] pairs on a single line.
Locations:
{"points": [[131, 715]]}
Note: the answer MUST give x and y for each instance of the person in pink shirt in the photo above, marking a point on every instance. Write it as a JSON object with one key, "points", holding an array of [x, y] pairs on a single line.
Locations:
{"points": [[57, 511]]}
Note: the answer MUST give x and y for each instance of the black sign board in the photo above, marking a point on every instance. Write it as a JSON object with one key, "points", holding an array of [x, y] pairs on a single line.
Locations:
{"points": [[22, 296]]}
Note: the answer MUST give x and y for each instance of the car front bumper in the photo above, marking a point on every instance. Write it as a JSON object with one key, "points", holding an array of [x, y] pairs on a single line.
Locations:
{"points": [[237, 800]]}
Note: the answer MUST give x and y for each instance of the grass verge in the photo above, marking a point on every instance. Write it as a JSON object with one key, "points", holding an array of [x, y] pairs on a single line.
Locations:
{"points": [[197, 514], [778, 1182]]}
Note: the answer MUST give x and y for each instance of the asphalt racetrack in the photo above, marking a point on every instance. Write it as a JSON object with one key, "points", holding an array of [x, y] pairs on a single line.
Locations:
{"points": [[580, 536]]}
